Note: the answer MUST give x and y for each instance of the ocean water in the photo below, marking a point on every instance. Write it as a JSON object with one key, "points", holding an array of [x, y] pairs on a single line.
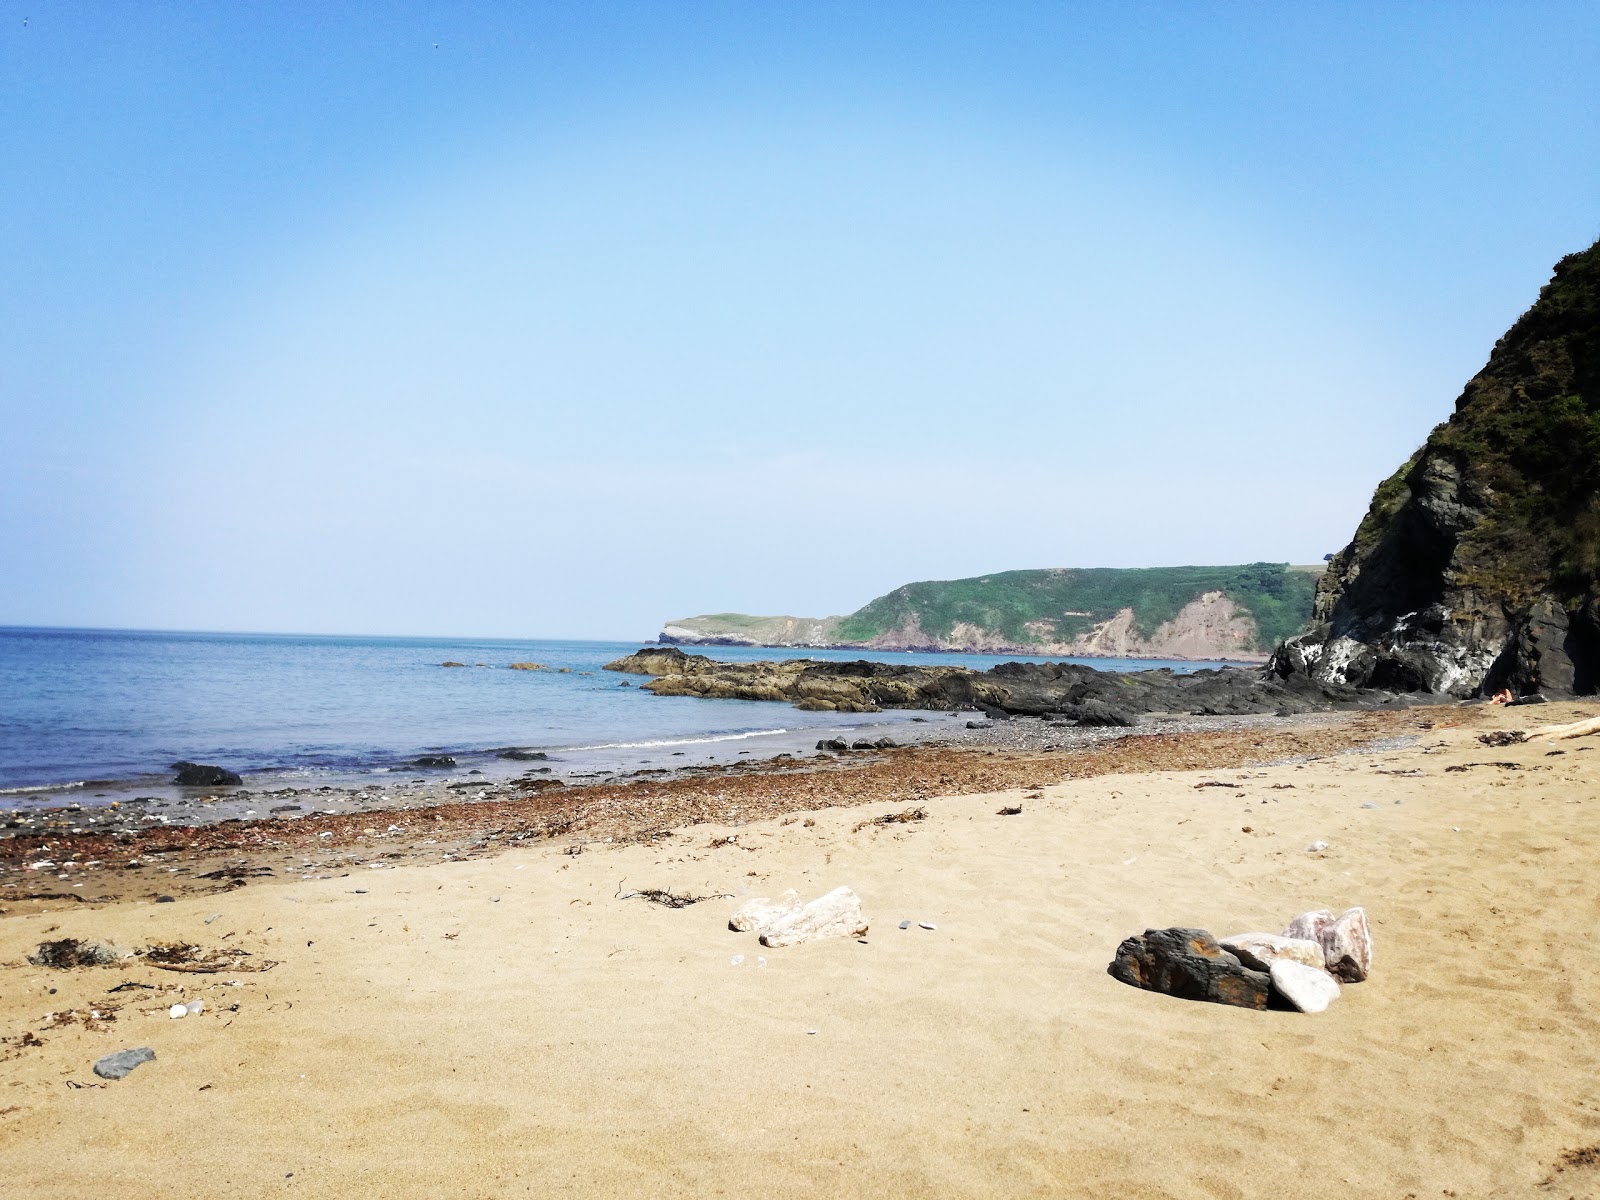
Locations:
{"points": [[116, 705]]}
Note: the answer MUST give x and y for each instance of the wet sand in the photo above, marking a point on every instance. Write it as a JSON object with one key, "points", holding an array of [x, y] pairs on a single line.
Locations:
{"points": [[512, 1022]]}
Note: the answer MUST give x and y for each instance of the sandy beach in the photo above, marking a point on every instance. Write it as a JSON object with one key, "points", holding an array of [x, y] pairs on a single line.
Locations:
{"points": [[512, 1022]]}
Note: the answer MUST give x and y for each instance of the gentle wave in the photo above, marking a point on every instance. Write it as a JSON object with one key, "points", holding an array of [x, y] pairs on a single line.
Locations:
{"points": [[726, 737], [43, 787]]}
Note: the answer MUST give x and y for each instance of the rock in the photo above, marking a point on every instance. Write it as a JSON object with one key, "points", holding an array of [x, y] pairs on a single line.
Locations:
{"points": [[1259, 951], [1308, 926], [836, 914], [117, 1066], [434, 760], [1347, 944], [516, 754], [198, 775], [1316, 847], [1097, 713], [70, 952], [862, 744], [452, 664], [1306, 989], [977, 724], [884, 743], [1188, 963], [178, 1011], [523, 666], [756, 916], [833, 744]]}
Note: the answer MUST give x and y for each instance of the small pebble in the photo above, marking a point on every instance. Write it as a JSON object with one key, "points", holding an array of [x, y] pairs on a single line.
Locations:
{"points": [[212, 918], [736, 960], [905, 924], [1369, 804], [178, 1011], [1316, 847], [927, 924]]}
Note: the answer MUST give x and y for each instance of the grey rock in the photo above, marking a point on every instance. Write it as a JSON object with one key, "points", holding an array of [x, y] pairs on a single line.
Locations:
{"points": [[1189, 964], [70, 952], [200, 775], [117, 1066], [1305, 989]]}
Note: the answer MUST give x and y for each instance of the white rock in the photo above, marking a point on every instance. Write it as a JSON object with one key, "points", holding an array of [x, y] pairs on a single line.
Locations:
{"points": [[178, 1011], [1309, 925], [1259, 951], [1308, 989], [836, 914], [1347, 943], [1316, 847], [755, 916]]}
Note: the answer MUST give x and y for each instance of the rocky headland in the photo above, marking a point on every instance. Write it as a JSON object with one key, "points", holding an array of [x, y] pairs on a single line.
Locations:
{"points": [[1477, 566], [1198, 613]]}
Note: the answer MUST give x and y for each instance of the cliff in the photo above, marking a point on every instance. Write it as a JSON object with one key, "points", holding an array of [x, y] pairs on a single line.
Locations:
{"points": [[1236, 612], [1476, 565]]}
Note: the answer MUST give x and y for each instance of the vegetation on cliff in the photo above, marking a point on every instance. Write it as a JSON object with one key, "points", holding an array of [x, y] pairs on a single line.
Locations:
{"points": [[1478, 563], [1195, 611]]}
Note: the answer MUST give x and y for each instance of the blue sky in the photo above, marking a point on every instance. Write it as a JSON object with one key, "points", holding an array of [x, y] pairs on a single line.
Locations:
{"points": [[565, 319]]}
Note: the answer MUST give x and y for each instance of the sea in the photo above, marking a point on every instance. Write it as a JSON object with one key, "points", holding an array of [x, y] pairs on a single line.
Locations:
{"points": [[101, 709]]}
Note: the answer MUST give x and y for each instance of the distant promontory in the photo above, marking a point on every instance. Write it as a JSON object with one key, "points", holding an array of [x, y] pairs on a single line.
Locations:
{"points": [[1230, 612]]}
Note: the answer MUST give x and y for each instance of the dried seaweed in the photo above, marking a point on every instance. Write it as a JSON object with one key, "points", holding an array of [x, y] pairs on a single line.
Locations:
{"points": [[904, 817], [668, 899]]}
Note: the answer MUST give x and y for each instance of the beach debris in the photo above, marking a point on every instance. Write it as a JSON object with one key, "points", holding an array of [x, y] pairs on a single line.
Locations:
{"points": [[668, 899], [905, 924], [200, 775], [1306, 989], [1316, 847], [754, 916], [834, 914], [1503, 737], [70, 952], [926, 925], [1571, 730], [1259, 951], [117, 1066], [1217, 783], [187, 958], [1346, 940], [1009, 810], [904, 817], [1189, 964], [1369, 804]]}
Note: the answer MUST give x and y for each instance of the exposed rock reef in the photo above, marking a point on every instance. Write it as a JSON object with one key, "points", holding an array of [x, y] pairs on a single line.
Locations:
{"points": [[1477, 566], [1066, 690], [1235, 612]]}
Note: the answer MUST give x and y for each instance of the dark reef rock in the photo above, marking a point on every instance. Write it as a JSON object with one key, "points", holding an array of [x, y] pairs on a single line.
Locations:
{"points": [[1067, 690], [434, 760], [517, 754], [199, 775], [1189, 964], [1477, 566]]}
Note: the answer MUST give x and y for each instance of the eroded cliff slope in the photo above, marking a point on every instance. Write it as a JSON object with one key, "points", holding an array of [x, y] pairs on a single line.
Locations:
{"points": [[1476, 566]]}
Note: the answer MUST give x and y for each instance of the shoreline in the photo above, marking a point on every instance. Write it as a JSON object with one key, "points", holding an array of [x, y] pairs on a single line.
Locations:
{"points": [[487, 996], [1058, 654]]}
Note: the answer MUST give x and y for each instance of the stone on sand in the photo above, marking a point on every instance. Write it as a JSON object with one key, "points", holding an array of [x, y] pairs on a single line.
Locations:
{"points": [[1346, 940], [116, 1066], [1306, 989], [1259, 951], [1188, 963], [756, 915], [836, 914]]}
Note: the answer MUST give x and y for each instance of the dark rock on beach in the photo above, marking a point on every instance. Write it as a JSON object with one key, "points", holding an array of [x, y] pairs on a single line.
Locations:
{"points": [[117, 1066], [434, 760], [1189, 964], [516, 754], [199, 775]]}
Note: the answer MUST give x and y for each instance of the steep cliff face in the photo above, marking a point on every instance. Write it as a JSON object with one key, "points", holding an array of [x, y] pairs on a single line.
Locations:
{"points": [[1477, 566]]}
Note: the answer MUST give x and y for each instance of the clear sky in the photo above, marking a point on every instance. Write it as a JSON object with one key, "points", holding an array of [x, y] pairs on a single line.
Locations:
{"points": [[561, 320]]}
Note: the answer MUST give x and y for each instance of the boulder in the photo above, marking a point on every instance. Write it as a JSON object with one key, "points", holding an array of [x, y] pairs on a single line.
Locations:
{"points": [[1259, 951], [833, 744], [1308, 926], [452, 664], [836, 914], [1189, 963], [884, 743], [434, 760], [517, 754], [862, 744], [526, 666], [199, 775], [757, 915], [1346, 940], [1305, 989], [1097, 713], [1347, 943], [117, 1066]]}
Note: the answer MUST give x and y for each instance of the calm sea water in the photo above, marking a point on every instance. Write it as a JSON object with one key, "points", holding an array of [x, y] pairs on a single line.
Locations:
{"points": [[123, 705]]}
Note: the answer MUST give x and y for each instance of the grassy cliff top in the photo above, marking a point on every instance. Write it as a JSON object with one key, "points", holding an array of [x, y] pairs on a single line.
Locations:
{"points": [[1072, 601]]}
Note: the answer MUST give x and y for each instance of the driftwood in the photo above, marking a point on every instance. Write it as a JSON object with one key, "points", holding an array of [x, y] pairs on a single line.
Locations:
{"points": [[1572, 730]]}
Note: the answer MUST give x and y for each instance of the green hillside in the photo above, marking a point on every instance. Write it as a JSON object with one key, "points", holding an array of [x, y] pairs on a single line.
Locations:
{"points": [[1277, 595]]}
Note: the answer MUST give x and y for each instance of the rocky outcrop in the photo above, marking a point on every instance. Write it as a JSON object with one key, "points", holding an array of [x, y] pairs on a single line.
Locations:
{"points": [[1477, 566], [200, 775], [1064, 690]]}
